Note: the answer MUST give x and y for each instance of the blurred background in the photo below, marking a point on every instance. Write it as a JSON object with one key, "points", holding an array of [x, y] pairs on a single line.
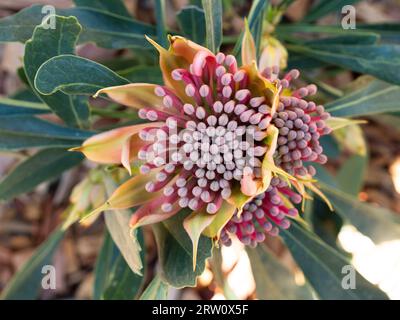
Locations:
{"points": [[27, 220]]}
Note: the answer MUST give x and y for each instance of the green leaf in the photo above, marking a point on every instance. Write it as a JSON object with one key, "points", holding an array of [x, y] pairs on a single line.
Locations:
{"points": [[340, 37], [104, 264], [47, 43], [111, 6], [274, 281], [74, 75], [28, 132], [389, 32], [331, 148], [255, 20], [45, 165], [336, 30], [325, 223], [378, 223], [15, 141], [26, 283], [376, 97], [118, 64], [367, 38], [160, 18], [175, 252], [302, 62], [103, 28], [381, 61], [213, 17], [322, 267], [351, 174], [22, 76], [12, 107], [19, 27], [157, 290], [111, 31], [117, 223], [128, 243], [324, 7], [192, 21], [143, 74], [194, 225], [114, 280]]}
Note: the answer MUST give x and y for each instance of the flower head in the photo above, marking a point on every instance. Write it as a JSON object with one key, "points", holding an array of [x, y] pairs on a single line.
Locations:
{"points": [[219, 139], [210, 144]]}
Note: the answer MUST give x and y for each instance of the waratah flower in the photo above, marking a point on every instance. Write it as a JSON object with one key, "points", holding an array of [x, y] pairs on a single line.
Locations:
{"points": [[211, 140]]}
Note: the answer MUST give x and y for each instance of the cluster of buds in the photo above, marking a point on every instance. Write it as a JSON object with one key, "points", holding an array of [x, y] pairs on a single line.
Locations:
{"points": [[264, 214], [301, 123]]}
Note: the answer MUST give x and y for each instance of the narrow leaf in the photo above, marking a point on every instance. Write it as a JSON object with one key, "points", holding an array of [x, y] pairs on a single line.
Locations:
{"points": [[175, 252], [130, 194], [381, 61], [322, 266], [27, 132], [12, 107], [27, 282], [160, 18], [111, 6], [192, 22], [378, 223], [255, 20], [274, 281], [103, 28], [336, 33], [377, 97], [43, 166], [351, 174], [389, 32], [104, 264], [324, 7], [114, 279], [142, 74], [365, 38], [213, 16], [249, 54], [194, 225], [127, 241]]}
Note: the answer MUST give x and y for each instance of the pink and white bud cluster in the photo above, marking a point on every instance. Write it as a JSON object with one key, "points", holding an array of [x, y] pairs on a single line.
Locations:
{"points": [[301, 123], [262, 215], [210, 144]]}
